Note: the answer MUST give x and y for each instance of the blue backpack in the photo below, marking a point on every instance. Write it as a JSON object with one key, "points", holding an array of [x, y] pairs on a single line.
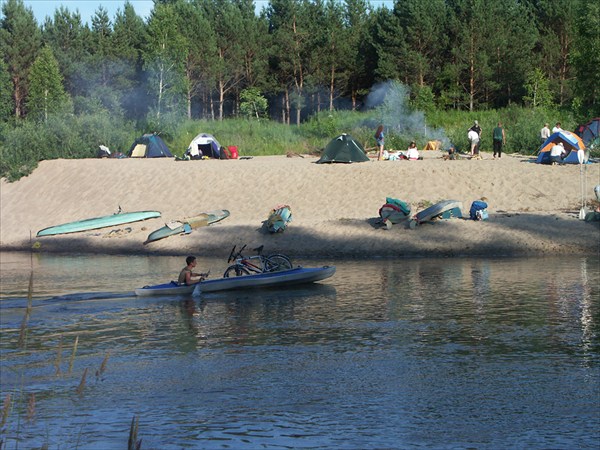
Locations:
{"points": [[478, 205]]}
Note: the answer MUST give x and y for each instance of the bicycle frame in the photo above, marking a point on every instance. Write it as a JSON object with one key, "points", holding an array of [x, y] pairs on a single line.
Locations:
{"points": [[249, 265]]}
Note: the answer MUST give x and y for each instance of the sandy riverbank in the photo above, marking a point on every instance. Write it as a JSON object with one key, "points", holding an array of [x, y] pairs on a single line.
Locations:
{"points": [[533, 209]]}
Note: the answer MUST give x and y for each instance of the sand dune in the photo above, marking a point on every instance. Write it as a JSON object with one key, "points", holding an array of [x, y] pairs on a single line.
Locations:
{"points": [[533, 209]]}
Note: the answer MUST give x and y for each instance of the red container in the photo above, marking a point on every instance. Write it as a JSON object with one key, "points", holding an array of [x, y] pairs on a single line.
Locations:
{"points": [[233, 153]]}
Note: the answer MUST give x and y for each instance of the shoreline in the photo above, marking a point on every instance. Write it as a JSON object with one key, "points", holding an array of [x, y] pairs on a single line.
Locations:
{"points": [[533, 209]]}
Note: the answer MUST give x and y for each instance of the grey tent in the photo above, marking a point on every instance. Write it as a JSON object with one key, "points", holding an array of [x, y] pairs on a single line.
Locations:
{"points": [[343, 149]]}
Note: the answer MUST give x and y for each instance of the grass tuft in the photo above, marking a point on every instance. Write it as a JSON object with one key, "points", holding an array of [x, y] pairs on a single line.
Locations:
{"points": [[72, 359], [23, 331], [133, 443], [82, 382]]}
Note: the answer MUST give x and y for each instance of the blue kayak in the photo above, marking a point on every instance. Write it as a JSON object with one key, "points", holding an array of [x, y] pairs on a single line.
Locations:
{"points": [[282, 278]]}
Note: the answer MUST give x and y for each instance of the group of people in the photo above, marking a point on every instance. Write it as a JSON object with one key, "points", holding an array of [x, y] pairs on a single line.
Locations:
{"points": [[558, 152], [545, 131], [412, 153], [498, 138], [474, 137]]}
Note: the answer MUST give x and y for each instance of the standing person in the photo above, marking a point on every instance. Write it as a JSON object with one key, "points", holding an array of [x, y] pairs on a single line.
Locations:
{"points": [[557, 128], [545, 133], [474, 136], [499, 139], [187, 276], [379, 138]]}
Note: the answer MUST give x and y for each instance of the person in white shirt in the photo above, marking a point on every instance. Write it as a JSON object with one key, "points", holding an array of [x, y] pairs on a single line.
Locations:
{"points": [[545, 133], [556, 128], [557, 153], [412, 153]]}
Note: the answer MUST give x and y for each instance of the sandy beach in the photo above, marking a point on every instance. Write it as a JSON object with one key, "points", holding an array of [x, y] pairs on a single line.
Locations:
{"points": [[533, 209]]}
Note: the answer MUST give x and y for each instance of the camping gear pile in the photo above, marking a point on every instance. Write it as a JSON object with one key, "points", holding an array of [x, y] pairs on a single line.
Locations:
{"points": [[278, 219], [393, 211]]}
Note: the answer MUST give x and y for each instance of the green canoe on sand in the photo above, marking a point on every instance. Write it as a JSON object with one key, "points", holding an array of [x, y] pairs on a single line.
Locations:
{"points": [[187, 225], [98, 222]]}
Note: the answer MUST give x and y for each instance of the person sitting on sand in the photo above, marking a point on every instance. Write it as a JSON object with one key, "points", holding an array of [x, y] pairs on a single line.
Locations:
{"points": [[412, 153], [557, 153], [187, 276]]}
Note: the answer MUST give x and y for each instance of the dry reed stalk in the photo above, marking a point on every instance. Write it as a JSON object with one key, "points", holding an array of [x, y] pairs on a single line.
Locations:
{"points": [[133, 443], [23, 332], [104, 362], [5, 409], [58, 360], [31, 407], [82, 382], [72, 360]]}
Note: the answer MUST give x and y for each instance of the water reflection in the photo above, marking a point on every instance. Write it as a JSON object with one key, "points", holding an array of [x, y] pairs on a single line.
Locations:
{"points": [[440, 353]]}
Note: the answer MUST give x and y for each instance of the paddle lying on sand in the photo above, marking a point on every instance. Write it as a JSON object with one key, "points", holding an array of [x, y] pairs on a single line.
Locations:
{"points": [[186, 226]]}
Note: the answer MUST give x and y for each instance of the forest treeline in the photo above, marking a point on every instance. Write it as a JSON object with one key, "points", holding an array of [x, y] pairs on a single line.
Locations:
{"points": [[217, 59]]}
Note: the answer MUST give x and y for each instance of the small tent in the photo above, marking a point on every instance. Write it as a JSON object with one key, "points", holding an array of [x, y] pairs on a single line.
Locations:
{"points": [[204, 145], [571, 142], [590, 132], [433, 145], [343, 149], [149, 146]]}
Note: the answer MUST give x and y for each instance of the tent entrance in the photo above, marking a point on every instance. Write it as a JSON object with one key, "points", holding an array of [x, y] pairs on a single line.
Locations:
{"points": [[139, 151]]}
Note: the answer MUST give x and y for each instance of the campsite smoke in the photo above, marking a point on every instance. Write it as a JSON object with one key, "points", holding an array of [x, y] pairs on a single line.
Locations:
{"points": [[390, 101]]}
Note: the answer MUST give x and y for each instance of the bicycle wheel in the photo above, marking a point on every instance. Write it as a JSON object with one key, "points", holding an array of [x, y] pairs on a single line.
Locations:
{"points": [[235, 270], [275, 263]]}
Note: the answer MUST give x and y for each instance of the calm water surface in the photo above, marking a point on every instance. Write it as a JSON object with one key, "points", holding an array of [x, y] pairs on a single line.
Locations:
{"points": [[428, 353]]}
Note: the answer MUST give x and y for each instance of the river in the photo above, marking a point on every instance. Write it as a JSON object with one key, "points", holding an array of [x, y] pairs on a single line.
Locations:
{"points": [[409, 353]]}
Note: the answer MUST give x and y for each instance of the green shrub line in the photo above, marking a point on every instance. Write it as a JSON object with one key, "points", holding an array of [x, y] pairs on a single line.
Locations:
{"points": [[25, 144]]}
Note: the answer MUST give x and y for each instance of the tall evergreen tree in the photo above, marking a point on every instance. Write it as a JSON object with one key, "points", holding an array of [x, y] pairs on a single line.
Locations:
{"points": [[511, 48], [586, 59], [7, 106], [360, 48], [19, 43], [557, 24], [255, 45], [226, 18], [127, 42], [390, 46], [199, 51], [46, 92], [471, 33], [68, 38], [423, 26], [101, 49], [164, 57]]}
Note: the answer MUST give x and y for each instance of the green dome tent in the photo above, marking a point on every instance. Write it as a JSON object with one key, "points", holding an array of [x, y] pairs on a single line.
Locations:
{"points": [[149, 146], [343, 149]]}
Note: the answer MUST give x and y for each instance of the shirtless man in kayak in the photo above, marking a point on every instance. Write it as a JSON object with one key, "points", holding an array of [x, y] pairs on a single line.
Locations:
{"points": [[187, 276]]}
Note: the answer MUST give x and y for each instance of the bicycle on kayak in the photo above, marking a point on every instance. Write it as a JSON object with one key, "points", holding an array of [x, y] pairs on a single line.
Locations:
{"points": [[248, 265]]}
